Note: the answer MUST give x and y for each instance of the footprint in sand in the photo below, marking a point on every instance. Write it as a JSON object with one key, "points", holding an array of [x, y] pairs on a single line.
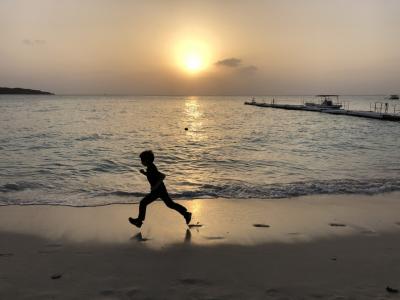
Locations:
{"points": [[6, 254], [214, 237], [391, 290], [261, 225], [56, 276], [272, 291], [194, 281], [198, 225], [337, 225]]}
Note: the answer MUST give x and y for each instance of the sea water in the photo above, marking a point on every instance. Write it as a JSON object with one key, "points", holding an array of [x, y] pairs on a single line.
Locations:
{"points": [[84, 150]]}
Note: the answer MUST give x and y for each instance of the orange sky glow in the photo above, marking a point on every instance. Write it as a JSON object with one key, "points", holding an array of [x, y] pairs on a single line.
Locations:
{"points": [[201, 47]]}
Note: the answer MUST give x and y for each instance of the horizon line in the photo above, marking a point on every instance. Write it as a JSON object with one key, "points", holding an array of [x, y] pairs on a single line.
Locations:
{"points": [[201, 95]]}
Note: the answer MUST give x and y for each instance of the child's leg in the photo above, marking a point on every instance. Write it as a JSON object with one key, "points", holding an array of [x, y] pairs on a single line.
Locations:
{"points": [[171, 204], [143, 204]]}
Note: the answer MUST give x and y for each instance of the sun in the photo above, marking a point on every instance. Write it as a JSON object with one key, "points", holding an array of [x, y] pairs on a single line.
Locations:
{"points": [[193, 62], [192, 56]]}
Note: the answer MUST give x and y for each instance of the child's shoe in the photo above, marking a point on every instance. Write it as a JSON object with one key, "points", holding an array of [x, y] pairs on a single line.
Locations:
{"points": [[188, 217], [138, 223]]}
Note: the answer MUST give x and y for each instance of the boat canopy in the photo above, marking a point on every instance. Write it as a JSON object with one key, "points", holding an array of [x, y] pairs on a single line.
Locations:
{"points": [[325, 98]]}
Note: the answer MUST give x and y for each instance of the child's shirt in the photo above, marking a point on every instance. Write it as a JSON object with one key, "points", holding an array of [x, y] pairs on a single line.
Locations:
{"points": [[153, 175]]}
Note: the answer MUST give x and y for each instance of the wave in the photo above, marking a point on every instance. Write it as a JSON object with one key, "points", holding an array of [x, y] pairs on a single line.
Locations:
{"points": [[243, 190], [19, 186], [228, 190]]}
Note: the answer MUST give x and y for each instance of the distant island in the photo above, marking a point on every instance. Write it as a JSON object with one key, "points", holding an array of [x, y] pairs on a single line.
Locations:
{"points": [[20, 91]]}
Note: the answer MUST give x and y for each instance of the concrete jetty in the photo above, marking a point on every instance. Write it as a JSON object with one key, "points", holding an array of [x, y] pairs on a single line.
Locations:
{"points": [[324, 109]]}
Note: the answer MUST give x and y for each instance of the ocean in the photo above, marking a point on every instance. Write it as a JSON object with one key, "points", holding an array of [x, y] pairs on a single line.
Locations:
{"points": [[84, 150]]}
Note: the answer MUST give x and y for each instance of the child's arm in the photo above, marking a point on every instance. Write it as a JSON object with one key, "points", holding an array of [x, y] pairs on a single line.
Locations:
{"points": [[143, 172]]}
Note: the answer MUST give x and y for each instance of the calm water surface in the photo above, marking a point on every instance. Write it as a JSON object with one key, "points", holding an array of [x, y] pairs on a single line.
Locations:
{"points": [[83, 150]]}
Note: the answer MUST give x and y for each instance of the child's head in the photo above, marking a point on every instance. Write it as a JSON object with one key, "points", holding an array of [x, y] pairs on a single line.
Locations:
{"points": [[147, 157]]}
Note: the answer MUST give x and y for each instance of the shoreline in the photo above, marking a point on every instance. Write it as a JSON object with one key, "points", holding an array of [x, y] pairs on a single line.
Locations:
{"points": [[329, 247], [213, 198], [226, 221]]}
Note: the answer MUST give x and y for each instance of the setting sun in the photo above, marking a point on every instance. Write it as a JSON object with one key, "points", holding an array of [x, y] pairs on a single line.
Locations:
{"points": [[192, 56], [193, 62]]}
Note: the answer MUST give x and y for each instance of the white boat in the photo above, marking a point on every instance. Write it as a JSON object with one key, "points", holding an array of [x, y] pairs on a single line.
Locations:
{"points": [[325, 102], [393, 97]]}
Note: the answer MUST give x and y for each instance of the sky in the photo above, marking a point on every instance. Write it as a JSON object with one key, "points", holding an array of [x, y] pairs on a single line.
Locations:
{"points": [[176, 47]]}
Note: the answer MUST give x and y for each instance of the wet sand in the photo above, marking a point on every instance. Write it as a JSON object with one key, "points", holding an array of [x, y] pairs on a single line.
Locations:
{"points": [[320, 247]]}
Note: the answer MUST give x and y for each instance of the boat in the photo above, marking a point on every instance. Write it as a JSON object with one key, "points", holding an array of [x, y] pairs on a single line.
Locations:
{"points": [[393, 97], [325, 102]]}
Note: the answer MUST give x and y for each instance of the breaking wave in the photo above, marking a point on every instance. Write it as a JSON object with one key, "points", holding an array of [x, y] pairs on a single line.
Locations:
{"points": [[229, 190], [243, 190]]}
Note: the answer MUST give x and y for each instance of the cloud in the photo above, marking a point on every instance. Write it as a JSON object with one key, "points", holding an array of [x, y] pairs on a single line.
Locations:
{"points": [[229, 62], [249, 69], [236, 63], [29, 42]]}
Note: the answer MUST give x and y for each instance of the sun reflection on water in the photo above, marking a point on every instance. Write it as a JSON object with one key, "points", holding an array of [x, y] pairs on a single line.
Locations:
{"points": [[192, 107], [194, 118]]}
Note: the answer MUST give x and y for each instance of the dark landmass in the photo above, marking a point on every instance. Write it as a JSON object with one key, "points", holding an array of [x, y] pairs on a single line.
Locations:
{"points": [[20, 91]]}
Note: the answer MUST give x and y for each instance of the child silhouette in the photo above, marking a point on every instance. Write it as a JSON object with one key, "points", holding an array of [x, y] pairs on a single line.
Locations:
{"points": [[158, 190]]}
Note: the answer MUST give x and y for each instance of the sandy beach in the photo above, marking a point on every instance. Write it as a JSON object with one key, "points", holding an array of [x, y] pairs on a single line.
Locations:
{"points": [[319, 247]]}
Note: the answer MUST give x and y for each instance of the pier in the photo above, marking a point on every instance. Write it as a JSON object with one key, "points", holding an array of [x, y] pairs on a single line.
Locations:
{"points": [[326, 106]]}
